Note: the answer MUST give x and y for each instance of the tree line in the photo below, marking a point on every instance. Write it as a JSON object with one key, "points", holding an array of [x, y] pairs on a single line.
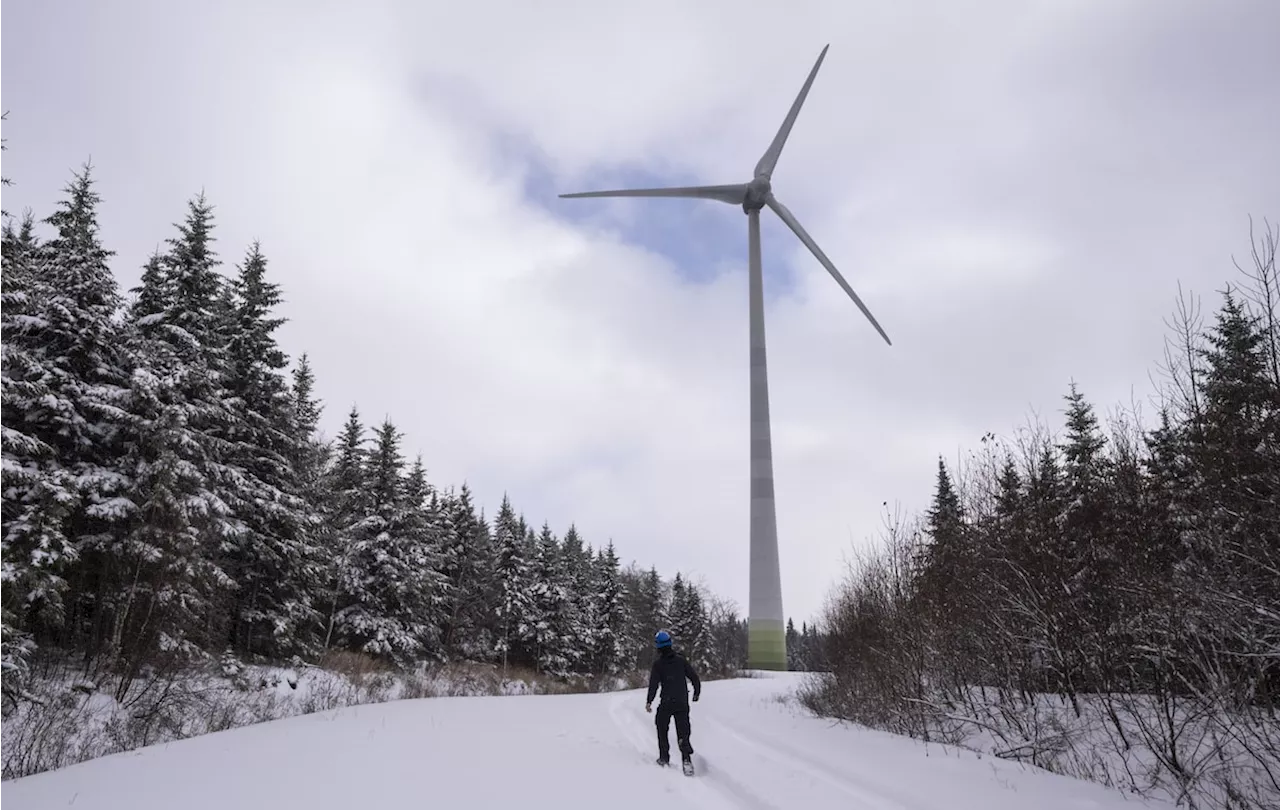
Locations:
{"points": [[167, 495], [1130, 570]]}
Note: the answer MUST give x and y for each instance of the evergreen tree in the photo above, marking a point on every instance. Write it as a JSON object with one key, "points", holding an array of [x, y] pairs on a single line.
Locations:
{"points": [[1090, 557], [153, 293], [945, 527], [392, 570], [552, 616], [579, 574], [1237, 463], [36, 489], [193, 313], [610, 610], [82, 344], [688, 621], [309, 454], [648, 614], [515, 606], [947, 583], [171, 553], [18, 246], [306, 407], [811, 644], [468, 566], [443, 538], [1242, 413], [19, 450], [176, 460], [795, 655], [424, 590], [347, 500], [1169, 473], [274, 560]]}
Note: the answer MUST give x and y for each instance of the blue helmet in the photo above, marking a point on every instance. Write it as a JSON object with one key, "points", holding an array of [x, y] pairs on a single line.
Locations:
{"points": [[663, 639]]}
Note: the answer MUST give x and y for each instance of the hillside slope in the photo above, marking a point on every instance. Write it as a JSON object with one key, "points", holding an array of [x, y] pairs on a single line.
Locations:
{"points": [[755, 750]]}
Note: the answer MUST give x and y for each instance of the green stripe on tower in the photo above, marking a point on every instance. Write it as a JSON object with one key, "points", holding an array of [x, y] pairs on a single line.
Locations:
{"points": [[766, 645]]}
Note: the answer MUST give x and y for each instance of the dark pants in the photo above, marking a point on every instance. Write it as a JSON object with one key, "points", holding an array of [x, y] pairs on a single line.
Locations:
{"points": [[663, 719]]}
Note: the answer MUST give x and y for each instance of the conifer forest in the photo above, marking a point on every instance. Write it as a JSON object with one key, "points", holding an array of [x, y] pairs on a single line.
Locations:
{"points": [[1103, 600], [167, 497]]}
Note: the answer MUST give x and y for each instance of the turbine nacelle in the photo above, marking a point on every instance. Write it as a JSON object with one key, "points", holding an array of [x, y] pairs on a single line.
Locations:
{"points": [[757, 195]]}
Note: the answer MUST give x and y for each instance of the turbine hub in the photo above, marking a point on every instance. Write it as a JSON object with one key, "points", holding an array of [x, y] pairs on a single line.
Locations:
{"points": [[758, 191]]}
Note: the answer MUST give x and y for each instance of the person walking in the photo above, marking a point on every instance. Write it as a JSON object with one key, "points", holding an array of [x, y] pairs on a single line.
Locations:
{"points": [[670, 670]]}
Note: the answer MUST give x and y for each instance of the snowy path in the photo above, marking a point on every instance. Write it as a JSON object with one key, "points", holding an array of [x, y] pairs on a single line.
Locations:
{"points": [[752, 752]]}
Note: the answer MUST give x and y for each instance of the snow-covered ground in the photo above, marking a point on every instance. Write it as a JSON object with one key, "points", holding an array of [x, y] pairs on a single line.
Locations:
{"points": [[755, 749], [66, 718]]}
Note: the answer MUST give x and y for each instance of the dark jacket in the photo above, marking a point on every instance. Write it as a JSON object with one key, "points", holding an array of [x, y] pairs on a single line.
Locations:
{"points": [[669, 671]]}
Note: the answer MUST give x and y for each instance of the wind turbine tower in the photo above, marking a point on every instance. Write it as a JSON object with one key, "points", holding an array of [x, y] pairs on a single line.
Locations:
{"points": [[766, 622]]}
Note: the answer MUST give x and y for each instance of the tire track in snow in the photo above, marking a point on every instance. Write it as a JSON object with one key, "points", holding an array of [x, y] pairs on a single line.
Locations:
{"points": [[791, 759], [707, 788]]}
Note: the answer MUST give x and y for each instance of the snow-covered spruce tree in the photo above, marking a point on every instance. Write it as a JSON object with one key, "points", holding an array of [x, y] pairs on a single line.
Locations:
{"points": [[946, 576], [515, 605], [1240, 438], [550, 602], [384, 542], [1092, 559], [1136, 539], [795, 656], [31, 481], [677, 609], [611, 647], [391, 585], [1007, 568], [376, 619], [952, 585], [811, 640], [175, 592], [1048, 567], [688, 620], [18, 243], [345, 502], [444, 537], [82, 342], [1237, 457], [62, 342], [1175, 559], [422, 596], [580, 574], [647, 614], [274, 560], [468, 567], [310, 454], [153, 293]]}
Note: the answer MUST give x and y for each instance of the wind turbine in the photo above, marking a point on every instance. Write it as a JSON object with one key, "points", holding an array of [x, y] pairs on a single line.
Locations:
{"points": [[766, 632]]}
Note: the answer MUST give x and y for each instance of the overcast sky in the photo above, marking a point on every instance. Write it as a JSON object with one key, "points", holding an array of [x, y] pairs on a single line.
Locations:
{"points": [[1014, 188]]}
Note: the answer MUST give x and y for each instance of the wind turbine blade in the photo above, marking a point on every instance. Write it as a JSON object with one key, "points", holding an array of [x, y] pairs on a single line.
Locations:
{"points": [[786, 216], [734, 194], [770, 159]]}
